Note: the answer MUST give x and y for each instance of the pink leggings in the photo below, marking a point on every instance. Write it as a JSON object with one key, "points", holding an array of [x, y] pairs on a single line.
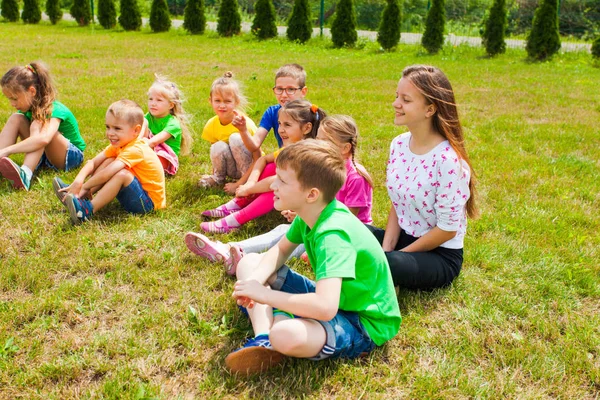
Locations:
{"points": [[256, 205]]}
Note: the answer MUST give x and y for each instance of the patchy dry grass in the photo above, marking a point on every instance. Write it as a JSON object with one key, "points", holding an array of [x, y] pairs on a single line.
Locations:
{"points": [[119, 309]]}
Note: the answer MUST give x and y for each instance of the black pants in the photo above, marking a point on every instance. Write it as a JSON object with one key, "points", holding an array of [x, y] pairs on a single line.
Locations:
{"points": [[423, 270]]}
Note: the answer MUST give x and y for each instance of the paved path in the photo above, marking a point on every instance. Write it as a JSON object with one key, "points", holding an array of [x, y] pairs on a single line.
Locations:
{"points": [[407, 38]]}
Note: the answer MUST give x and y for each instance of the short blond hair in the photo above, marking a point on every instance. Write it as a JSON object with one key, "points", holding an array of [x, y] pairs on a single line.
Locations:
{"points": [[317, 164], [127, 110], [294, 71]]}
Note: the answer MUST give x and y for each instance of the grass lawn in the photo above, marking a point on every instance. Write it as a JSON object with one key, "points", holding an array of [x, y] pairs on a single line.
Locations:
{"points": [[119, 308]]}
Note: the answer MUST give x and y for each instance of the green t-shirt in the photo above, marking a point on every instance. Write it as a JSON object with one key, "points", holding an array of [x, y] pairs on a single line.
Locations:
{"points": [[169, 124], [68, 124], [340, 246]]}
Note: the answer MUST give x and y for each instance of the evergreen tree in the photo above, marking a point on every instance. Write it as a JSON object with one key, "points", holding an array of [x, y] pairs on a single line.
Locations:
{"points": [[299, 25], [596, 48], [81, 12], [495, 29], [229, 19], [54, 11], [194, 20], [107, 13], [264, 26], [10, 10], [160, 20], [343, 28], [31, 12], [130, 18], [389, 28], [543, 40], [433, 37]]}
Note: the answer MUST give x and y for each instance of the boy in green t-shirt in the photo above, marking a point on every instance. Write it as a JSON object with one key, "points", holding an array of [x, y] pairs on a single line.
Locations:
{"points": [[352, 307]]}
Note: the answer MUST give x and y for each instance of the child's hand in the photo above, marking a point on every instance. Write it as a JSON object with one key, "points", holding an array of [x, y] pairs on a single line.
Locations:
{"points": [[289, 215], [74, 188], [239, 121], [231, 187], [243, 190], [249, 291]]}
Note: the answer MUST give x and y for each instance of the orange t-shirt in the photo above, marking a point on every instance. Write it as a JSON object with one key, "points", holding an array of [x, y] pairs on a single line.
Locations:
{"points": [[144, 164]]}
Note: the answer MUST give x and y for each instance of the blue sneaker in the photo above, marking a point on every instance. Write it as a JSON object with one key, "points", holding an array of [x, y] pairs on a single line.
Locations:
{"points": [[80, 210], [257, 355], [14, 173], [57, 185]]}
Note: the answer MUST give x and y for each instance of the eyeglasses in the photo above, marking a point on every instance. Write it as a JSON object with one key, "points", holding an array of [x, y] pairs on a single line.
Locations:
{"points": [[289, 90]]}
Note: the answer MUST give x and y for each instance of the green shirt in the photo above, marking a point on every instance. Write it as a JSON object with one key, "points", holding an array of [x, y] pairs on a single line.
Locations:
{"points": [[68, 124], [340, 246], [169, 124]]}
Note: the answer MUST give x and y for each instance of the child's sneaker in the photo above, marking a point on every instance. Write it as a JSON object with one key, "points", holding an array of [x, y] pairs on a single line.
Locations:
{"points": [[80, 210], [235, 255], [57, 185], [219, 226], [14, 173], [257, 355], [204, 247]]}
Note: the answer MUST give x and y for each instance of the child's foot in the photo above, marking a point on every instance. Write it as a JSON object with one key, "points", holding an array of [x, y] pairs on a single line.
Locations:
{"points": [[220, 226], [235, 255], [14, 173], [222, 211], [57, 185], [80, 210], [204, 247], [257, 355], [208, 181]]}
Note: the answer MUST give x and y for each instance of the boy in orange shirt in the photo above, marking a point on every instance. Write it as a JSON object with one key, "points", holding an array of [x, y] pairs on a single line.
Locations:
{"points": [[128, 170]]}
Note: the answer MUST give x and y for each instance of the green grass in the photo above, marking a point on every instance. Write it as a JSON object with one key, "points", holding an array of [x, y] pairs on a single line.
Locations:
{"points": [[119, 309]]}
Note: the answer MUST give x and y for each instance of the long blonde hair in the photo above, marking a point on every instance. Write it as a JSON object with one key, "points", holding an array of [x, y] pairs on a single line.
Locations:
{"points": [[173, 94], [37, 75], [341, 129]]}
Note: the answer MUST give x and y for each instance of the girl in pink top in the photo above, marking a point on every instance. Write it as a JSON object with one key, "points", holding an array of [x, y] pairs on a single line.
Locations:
{"points": [[356, 194]]}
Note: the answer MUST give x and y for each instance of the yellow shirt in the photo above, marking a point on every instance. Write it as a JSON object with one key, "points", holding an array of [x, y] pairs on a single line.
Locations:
{"points": [[144, 164], [213, 130]]}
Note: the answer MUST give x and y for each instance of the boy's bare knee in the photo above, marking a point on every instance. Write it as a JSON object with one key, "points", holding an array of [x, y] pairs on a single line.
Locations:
{"points": [[284, 338], [125, 176], [247, 264]]}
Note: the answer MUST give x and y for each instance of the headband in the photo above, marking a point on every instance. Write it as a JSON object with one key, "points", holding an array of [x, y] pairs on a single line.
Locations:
{"points": [[29, 67], [314, 108]]}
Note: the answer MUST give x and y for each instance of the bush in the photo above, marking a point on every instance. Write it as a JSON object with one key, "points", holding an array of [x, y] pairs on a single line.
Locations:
{"points": [[54, 11], [229, 18], [31, 12], [494, 29], [264, 26], [543, 40], [194, 20], [10, 10], [160, 21], [299, 25], [369, 13], [433, 37], [596, 48], [107, 13], [130, 18], [343, 28], [388, 35], [81, 12]]}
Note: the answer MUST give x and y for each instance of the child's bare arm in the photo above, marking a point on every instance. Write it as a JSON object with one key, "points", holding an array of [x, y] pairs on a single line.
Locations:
{"points": [[104, 175], [262, 186], [158, 139], [252, 142], [40, 136]]}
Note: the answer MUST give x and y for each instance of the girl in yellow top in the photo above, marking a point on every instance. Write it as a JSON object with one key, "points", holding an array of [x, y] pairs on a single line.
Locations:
{"points": [[229, 154]]}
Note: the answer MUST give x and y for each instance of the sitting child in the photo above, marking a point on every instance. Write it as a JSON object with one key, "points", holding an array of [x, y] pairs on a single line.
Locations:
{"points": [[356, 193], [229, 154], [352, 307], [167, 133], [127, 169]]}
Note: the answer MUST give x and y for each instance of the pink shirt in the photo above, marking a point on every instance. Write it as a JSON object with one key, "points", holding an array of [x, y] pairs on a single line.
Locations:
{"points": [[428, 190], [357, 193]]}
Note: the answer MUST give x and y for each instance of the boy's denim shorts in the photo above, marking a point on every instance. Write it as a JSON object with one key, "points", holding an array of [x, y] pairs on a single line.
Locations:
{"points": [[346, 335], [73, 159], [134, 198]]}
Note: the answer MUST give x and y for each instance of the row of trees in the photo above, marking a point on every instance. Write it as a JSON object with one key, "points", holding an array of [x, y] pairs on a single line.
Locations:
{"points": [[543, 40]]}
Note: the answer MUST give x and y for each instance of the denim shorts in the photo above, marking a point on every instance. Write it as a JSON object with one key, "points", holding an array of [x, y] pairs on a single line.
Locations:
{"points": [[346, 335], [134, 198], [73, 159]]}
